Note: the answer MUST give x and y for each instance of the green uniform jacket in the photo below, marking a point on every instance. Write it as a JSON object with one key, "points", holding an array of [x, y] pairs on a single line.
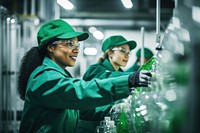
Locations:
{"points": [[133, 68], [53, 98], [91, 118]]}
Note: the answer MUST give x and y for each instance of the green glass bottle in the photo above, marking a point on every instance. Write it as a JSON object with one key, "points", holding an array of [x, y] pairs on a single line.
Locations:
{"points": [[123, 126], [148, 65]]}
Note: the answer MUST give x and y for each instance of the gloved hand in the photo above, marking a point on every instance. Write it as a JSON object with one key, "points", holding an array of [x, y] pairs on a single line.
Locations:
{"points": [[140, 79]]}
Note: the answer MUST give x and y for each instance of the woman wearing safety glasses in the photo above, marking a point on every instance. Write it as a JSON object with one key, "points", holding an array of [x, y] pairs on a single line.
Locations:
{"points": [[116, 51], [52, 96]]}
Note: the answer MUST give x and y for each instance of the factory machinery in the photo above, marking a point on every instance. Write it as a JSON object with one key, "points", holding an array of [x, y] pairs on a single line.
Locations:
{"points": [[170, 104]]}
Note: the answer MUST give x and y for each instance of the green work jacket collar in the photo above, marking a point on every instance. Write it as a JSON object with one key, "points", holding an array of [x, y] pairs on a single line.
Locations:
{"points": [[53, 65], [108, 65]]}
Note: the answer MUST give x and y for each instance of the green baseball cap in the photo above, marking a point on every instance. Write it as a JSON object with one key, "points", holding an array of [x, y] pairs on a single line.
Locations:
{"points": [[147, 53], [117, 40], [58, 29]]}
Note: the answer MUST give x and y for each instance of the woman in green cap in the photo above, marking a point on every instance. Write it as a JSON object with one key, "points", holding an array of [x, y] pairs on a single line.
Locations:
{"points": [[52, 96], [116, 55]]}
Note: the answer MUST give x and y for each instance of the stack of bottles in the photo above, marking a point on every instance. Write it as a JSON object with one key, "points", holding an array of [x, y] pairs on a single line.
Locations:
{"points": [[158, 108], [120, 119], [122, 115], [106, 126], [143, 101]]}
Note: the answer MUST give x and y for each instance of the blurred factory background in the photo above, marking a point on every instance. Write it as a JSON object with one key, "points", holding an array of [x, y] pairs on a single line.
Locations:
{"points": [[172, 33], [100, 18]]}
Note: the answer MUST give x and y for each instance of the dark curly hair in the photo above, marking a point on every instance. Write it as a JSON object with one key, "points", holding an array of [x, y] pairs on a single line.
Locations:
{"points": [[32, 59]]}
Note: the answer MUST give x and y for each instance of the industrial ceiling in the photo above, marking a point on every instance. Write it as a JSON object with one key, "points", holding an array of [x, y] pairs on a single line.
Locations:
{"points": [[104, 13]]}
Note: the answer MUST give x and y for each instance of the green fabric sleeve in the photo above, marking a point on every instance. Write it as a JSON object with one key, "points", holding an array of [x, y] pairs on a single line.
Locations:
{"points": [[54, 90], [96, 114], [100, 72]]}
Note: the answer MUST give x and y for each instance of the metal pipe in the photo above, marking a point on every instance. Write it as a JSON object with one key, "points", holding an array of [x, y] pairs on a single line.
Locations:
{"points": [[7, 70], [4, 77], [25, 7], [142, 48], [32, 7], [1, 94], [13, 72], [158, 22]]}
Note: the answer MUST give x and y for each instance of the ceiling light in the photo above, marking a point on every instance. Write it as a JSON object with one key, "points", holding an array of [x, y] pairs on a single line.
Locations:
{"points": [[65, 4], [90, 51], [127, 3], [92, 29], [98, 35]]}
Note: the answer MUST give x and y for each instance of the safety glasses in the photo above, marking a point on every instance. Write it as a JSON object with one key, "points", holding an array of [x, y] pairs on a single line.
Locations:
{"points": [[69, 43], [122, 50]]}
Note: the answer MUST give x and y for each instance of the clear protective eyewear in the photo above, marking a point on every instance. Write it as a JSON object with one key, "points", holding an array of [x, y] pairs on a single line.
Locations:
{"points": [[122, 50], [69, 43]]}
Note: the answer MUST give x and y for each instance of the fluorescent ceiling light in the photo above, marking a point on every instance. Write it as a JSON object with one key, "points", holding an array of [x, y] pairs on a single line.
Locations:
{"points": [[127, 3], [65, 4], [92, 29], [98, 35], [90, 51]]}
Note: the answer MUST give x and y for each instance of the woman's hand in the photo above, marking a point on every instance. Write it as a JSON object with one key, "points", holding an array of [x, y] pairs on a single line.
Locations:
{"points": [[140, 78]]}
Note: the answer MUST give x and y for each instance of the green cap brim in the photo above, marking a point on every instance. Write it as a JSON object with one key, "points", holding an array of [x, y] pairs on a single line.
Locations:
{"points": [[80, 35], [132, 44]]}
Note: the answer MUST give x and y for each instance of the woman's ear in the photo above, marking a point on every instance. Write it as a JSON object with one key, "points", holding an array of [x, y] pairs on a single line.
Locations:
{"points": [[50, 48], [110, 53]]}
